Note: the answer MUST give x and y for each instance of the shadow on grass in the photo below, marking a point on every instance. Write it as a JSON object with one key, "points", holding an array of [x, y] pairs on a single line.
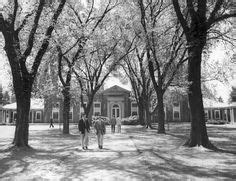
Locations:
{"points": [[70, 164], [53, 151], [173, 167], [222, 137]]}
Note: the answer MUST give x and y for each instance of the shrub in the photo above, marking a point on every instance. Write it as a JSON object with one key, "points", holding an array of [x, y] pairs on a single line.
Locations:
{"points": [[132, 120], [105, 119]]}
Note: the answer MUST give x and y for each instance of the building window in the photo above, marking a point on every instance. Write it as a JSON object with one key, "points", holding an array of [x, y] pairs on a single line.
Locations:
{"points": [[176, 111], [97, 104], [38, 115], [134, 104], [56, 105], [55, 113], [176, 115], [97, 108], [81, 107], [115, 111], [71, 114], [14, 116], [217, 114], [206, 114], [134, 108], [176, 104]]}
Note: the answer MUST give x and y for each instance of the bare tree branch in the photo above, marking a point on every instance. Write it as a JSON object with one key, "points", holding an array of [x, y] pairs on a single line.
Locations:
{"points": [[60, 65], [90, 12], [76, 13], [45, 43], [24, 21], [180, 16], [16, 5], [34, 28]]}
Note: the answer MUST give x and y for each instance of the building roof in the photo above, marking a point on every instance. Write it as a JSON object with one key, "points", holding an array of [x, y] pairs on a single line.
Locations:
{"points": [[115, 90], [35, 104], [209, 103]]}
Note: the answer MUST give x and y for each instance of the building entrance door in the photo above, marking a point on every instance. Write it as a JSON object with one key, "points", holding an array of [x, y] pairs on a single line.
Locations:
{"points": [[115, 110]]}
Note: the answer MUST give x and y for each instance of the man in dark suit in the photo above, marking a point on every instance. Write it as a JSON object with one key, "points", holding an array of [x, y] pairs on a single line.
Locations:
{"points": [[84, 129]]}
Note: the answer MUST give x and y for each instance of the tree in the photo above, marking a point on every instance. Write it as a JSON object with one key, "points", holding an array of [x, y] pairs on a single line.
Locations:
{"points": [[1, 94], [233, 95], [23, 78], [136, 69], [202, 17], [165, 49], [85, 27], [102, 56]]}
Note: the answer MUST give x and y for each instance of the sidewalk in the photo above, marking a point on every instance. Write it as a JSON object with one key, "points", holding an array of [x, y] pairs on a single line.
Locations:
{"points": [[135, 154]]}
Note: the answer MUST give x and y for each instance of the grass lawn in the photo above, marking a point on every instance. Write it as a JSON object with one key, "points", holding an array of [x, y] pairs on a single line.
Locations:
{"points": [[135, 154]]}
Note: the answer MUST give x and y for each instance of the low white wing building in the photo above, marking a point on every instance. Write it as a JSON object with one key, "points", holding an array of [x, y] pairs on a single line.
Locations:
{"points": [[36, 112]]}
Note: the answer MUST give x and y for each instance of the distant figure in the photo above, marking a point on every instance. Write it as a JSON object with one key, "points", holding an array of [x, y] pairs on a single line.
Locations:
{"points": [[51, 123], [113, 124], [84, 129], [100, 128], [118, 122]]}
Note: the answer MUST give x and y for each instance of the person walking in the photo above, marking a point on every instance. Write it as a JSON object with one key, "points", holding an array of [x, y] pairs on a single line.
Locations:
{"points": [[113, 124], [118, 122], [51, 123], [84, 129], [100, 128]]}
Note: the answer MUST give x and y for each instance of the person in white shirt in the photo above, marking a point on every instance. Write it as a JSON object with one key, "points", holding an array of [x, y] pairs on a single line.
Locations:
{"points": [[118, 122], [100, 128]]}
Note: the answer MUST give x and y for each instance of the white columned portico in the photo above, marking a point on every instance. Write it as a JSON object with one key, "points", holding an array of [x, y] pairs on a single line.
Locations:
{"points": [[232, 115], [226, 115]]}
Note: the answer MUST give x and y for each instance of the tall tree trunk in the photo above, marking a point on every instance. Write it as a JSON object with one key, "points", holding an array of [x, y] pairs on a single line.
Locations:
{"points": [[22, 84], [22, 122], [198, 134], [148, 118], [141, 112], [88, 109], [22, 88], [161, 113], [66, 109], [147, 112]]}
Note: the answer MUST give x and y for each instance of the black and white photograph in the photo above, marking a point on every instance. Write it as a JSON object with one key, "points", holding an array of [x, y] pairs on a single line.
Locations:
{"points": [[117, 90]]}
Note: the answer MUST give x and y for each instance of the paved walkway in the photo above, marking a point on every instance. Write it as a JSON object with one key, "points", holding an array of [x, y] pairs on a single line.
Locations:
{"points": [[59, 157]]}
